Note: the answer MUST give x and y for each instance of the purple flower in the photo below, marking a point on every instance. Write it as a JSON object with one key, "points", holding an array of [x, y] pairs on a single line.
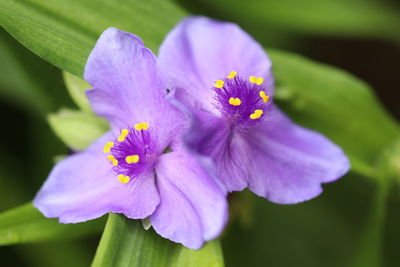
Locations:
{"points": [[140, 168], [225, 79]]}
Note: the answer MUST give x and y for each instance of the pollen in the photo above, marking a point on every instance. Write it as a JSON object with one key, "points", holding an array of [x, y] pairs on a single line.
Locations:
{"points": [[232, 75], [141, 126], [107, 147], [264, 96], [123, 179], [113, 160], [219, 84], [234, 101], [256, 80], [124, 133], [132, 159], [256, 114]]}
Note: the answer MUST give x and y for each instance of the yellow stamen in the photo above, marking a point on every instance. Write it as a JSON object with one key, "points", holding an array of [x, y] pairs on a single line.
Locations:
{"points": [[124, 133], [219, 84], [107, 147], [141, 126], [264, 96], [123, 179], [256, 114], [256, 80], [234, 101], [232, 75], [113, 160], [132, 159]]}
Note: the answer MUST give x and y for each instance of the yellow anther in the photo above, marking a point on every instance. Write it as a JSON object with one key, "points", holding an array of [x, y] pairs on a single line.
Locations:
{"points": [[234, 101], [132, 159], [141, 126], [232, 75], [256, 114], [107, 147], [219, 84], [256, 80], [113, 160], [123, 179], [124, 133], [264, 96]]}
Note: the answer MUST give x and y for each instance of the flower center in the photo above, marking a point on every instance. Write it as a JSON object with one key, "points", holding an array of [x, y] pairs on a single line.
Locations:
{"points": [[131, 152], [243, 102]]}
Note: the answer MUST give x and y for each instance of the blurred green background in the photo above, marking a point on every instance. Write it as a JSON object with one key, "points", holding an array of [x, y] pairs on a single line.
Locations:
{"points": [[355, 222]]}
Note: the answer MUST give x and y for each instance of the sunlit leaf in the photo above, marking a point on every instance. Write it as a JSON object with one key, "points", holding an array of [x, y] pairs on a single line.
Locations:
{"points": [[26, 224], [64, 32], [77, 129], [126, 243], [76, 88]]}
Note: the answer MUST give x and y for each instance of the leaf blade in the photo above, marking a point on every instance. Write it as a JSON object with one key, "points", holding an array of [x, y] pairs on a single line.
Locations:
{"points": [[26, 224], [126, 243]]}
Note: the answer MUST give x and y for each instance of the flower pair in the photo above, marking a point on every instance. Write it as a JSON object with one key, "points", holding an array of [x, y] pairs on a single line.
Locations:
{"points": [[186, 128]]}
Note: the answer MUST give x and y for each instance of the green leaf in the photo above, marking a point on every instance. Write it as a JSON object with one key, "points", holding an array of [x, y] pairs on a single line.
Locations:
{"points": [[26, 224], [371, 245], [126, 243], [17, 82], [64, 32], [77, 129], [365, 18], [335, 103], [76, 88]]}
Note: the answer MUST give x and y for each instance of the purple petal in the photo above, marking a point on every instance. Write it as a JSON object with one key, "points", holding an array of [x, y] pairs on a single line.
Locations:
{"points": [[83, 187], [200, 51], [193, 208], [128, 87], [277, 159], [211, 136], [289, 162]]}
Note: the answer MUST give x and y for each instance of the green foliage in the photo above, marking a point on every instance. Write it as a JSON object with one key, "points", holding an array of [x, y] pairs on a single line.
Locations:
{"points": [[365, 18], [77, 129], [16, 83], [64, 32], [126, 243], [26, 224], [76, 88]]}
